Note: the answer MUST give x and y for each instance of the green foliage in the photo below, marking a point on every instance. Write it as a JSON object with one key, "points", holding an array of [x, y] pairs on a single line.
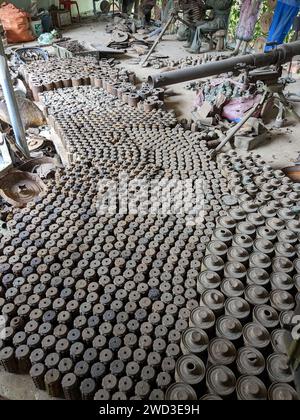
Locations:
{"points": [[235, 15]]}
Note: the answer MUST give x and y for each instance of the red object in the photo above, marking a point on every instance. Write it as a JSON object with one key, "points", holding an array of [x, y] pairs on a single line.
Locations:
{"points": [[68, 5], [16, 24]]}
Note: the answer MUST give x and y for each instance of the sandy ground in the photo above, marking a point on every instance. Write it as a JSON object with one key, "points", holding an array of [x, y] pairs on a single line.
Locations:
{"points": [[281, 151]]}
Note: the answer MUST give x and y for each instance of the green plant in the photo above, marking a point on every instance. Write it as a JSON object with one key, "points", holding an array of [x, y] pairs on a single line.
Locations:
{"points": [[235, 16]]}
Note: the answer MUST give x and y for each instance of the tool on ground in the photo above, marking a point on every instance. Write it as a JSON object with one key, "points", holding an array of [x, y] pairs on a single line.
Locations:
{"points": [[174, 17], [237, 127]]}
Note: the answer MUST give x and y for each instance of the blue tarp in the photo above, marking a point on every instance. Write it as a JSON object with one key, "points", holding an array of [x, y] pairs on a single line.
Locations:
{"points": [[284, 16]]}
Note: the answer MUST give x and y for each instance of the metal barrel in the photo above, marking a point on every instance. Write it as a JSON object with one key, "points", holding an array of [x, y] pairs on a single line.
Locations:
{"points": [[283, 54]]}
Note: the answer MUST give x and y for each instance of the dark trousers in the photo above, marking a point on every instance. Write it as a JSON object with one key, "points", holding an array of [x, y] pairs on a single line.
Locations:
{"points": [[283, 20], [127, 6], [147, 13]]}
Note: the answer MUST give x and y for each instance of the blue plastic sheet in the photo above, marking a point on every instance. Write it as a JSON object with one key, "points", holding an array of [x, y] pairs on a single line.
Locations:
{"points": [[284, 16]]}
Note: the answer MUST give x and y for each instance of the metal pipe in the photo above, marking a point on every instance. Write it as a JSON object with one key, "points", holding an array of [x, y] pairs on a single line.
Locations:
{"points": [[173, 18], [283, 54], [237, 127], [144, 62], [11, 103]]}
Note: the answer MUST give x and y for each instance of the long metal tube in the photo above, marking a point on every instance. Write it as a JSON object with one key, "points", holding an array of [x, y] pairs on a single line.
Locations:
{"points": [[236, 128], [283, 54], [144, 62], [11, 103]]}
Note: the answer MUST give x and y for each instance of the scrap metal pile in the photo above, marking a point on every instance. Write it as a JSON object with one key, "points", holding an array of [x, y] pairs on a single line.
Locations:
{"points": [[158, 62], [86, 72], [124, 35], [77, 71], [73, 46], [158, 304], [116, 98], [225, 98]]}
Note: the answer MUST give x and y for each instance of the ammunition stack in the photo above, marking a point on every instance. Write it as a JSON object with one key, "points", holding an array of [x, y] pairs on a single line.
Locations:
{"points": [[155, 304]]}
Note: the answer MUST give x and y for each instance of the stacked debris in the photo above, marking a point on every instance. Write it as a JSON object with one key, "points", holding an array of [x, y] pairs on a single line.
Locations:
{"points": [[124, 35], [105, 303], [77, 71], [70, 48], [73, 46], [211, 135], [145, 269], [39, 141], [226, 98], [160, 62], [114, 94]]}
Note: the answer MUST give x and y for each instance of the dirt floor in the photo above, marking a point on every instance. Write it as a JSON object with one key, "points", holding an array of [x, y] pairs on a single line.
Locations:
{"points": [[281, 151]]}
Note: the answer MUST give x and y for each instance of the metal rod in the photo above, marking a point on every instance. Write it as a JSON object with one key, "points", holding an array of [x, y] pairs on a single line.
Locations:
{"points": [[11, 102], [144, 62], [174, 16], [235, 129], [283, 54]]}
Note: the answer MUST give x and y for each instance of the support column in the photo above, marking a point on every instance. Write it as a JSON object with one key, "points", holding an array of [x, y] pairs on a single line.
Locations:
{"points": [[11, 103]]}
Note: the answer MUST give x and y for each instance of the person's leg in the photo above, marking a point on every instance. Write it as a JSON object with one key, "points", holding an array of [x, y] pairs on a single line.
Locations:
{"points": [[248, 19], [201, 31], [148, 13], [190, 37], [183, 33], [197, 41], [245, 46], [167, 10], [124, 6], [148, 17], [282, 22], [130, 5], [237, 47]]}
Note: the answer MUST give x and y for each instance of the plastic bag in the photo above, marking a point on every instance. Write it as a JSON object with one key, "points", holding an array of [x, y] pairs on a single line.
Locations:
{"points": [[46, 39], [16, 23]]}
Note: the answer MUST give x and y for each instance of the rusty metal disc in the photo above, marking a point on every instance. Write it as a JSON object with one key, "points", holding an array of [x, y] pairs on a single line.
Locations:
{"points": [[40, 166], [19, 188], [35, 143], [105, 6], [120, 36]]}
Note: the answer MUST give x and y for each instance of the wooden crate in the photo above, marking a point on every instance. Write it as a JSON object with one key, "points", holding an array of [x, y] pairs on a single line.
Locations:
{"points": [[61, 18]]}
